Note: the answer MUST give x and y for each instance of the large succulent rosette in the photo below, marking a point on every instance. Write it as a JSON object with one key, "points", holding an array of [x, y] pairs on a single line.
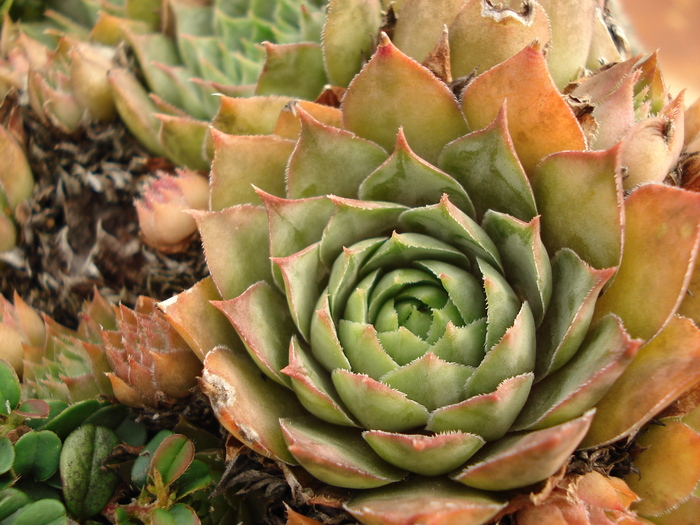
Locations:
{"points": [[445, 297]]}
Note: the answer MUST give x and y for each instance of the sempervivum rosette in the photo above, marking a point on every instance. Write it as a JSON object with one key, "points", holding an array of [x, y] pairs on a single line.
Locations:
{"points": [[433, 318]]}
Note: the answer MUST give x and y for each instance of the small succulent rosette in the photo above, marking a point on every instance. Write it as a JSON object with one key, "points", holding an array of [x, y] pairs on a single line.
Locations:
{"points": [[436, 300], [152, 365]]}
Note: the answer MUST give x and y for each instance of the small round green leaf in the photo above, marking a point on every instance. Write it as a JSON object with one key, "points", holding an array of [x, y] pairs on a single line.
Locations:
{"points": [[142, 465], [11, 500], [33, 409], [87, 485], [37, 454], [7, 455], [179, 514], [72, 417], [9, 388], [43, 512], [56, 406], [172, 458]]}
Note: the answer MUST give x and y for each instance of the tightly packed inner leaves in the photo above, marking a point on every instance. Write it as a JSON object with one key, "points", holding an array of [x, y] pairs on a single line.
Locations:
{"points": [[431, 287]]}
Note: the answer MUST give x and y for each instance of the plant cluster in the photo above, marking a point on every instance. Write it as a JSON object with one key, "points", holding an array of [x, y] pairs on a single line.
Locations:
{"points": [[450, 244]]}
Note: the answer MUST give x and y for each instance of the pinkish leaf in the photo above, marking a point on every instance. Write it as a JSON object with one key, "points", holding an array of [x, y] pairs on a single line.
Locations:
{"points": [[247, 403], [337, 455], [426, 455], [430, 501], [523, 459], [262, 320]]}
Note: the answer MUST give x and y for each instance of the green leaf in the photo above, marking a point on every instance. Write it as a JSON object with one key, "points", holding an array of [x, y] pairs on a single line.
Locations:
{"points": [[172, 458], [179, 514], [42, 512], [142, 464], [56, 406], [110, 416], [87, 485], [7, 455], [72, 417], [132, 433], [280, 75], [11, 500], [196, 477], [37, 454], [337, 455], [9, 388]]}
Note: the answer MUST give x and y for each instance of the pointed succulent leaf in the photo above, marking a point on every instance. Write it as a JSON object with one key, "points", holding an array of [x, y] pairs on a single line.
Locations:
{"points": [[579, 195], [347, 37], [136, 110], [87, 485], [363, 349], [183, 140], [376, 405], [249, 115], [243, 163], [288, 124], [354, 221], [499, 186], [393, 91], [235, 261], [328, 160], [197, 321], [503, 304], [520, 460], [248, 405], [576, 287], [426, 500], [614, 115], [666, 480], [487, 415], [37, 455], [407, 179], [324, 338], [418, 380], [280, 74], [513, 354], [539, 128], [661, 243], [525, 260], [338, 456], [16, 179], [420, 24], [672, 356], [580, 383], [479, 24], [448, 223], [262, 321], [313, 386], [151, 48], [426, 455]]}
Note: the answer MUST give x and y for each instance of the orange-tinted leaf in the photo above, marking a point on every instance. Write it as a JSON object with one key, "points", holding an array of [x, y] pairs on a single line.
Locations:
{"points": [[539, 119], [663, 369], [660, 246]]}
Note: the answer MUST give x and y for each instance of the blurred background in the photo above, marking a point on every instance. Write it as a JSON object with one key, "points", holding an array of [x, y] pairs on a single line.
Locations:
{"points": [[673, 27]]}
